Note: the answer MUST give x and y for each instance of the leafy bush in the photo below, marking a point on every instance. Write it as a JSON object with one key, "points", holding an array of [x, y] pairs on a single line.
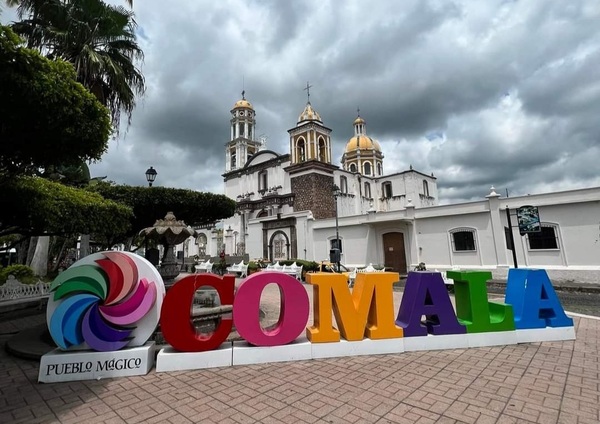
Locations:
{"points": [[23, 273]]}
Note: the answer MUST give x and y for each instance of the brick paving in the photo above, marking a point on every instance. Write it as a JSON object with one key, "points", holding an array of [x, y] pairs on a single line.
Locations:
{"points": [[550, 382]]}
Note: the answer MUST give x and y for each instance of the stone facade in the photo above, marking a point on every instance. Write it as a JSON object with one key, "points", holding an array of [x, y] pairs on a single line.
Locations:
{"points": [[314, 192]]}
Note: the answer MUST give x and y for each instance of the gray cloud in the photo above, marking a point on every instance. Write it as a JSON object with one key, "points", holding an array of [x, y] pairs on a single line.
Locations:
{"points": [[479, 93]]}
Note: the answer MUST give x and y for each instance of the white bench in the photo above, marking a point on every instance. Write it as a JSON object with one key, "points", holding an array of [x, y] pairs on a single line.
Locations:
{"points": [[240, 268], [368, 269], [16, 295], [274, 267], [204, 266], [294, 270]]}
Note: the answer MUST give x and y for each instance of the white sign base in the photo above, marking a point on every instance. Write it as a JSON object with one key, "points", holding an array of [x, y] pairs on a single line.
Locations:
{"points": [[58, 365], [548, 334], [169, 359]]}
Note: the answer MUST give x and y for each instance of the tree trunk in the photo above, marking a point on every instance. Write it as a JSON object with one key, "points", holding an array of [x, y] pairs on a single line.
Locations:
{"points": [[39, 263], [22, 250], [31, 250], [84, 246]]}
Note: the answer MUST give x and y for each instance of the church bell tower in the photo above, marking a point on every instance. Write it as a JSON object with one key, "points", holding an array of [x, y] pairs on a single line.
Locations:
{"points": [[243, 143], [311, 171]]}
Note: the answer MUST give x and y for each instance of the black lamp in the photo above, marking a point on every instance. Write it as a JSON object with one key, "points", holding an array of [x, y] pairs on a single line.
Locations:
{"points": [[151, 176]]}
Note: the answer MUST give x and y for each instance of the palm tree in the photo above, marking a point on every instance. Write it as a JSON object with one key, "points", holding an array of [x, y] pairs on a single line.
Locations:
{"points": [[97, 38]]}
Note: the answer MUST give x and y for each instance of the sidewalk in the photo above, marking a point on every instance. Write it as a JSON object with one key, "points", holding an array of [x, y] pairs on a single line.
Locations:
{"points": [[557, 382]]}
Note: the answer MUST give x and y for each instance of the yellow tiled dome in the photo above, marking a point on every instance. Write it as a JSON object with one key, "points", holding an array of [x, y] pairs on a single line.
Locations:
{"points": [[309, 114], [362, 142], [243, 103]]}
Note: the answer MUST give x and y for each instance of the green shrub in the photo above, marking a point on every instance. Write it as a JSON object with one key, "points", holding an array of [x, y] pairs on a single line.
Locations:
{"points": [[23, 273]]}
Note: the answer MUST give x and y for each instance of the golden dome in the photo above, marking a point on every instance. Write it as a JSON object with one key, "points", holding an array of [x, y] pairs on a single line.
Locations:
{"points": [[362, 142], [309, 114], [243, 103]]}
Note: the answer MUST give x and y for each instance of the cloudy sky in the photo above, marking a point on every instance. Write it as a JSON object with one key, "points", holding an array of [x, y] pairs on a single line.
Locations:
{"points": [[481, 93]]}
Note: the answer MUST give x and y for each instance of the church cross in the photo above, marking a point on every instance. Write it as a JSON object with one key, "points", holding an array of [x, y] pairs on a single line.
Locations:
{"points": [[308, 87]]}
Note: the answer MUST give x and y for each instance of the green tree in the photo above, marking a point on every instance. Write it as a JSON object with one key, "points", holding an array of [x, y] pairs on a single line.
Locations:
{"points": [[35, 206], [152, 203], [97, 38], [48, 118]]}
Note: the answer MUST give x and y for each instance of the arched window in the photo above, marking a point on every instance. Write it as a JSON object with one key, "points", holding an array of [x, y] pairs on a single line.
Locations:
{"points": [[379, 169], [425, 188], [233, 160], [463, 239], [301, 150], [262, 181], [368, 190], [262, 214], [352, 167], [241, 129], [386, 189], [344, 184], [367, 168], [322, 150]]}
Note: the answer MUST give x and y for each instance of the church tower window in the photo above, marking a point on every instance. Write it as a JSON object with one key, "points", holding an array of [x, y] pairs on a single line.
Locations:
{"points": [[425, 188], [233, 157], [352, 167], [322, 150], [367, 167], [301, 150]]}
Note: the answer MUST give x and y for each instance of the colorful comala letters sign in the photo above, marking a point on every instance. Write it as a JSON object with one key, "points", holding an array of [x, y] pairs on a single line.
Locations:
{"points": [[112, 301]]}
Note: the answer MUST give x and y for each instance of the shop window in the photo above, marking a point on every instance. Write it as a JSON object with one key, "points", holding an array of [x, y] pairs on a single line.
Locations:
{"points": [[545, 239], [463, 240]]}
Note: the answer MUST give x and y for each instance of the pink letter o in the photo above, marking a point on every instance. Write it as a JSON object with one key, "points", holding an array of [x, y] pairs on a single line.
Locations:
{"points": [[292, 317]]}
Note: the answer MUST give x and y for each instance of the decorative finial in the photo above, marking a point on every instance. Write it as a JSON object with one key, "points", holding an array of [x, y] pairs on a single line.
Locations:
{"points": [[308, 87], [411, 166], [358, 111], [493, 192], [243, 94]]}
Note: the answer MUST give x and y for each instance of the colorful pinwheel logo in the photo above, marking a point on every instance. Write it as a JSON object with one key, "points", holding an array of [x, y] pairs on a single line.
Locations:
{"points": [[105, 302]]}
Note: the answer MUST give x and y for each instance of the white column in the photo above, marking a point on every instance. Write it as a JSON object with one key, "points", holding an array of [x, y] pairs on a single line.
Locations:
{"points": [[497, 228], [293, 149]]}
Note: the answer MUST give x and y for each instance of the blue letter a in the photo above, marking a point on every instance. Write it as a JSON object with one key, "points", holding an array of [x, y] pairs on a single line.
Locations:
{"points": [[535, 303]]}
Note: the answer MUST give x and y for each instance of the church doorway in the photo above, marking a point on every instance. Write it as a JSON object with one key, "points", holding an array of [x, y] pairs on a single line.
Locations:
{"points": [[394, 252], [279, 246]]}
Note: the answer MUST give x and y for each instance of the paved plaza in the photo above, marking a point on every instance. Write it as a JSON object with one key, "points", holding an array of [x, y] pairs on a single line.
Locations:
{"points": [[550, 382]]}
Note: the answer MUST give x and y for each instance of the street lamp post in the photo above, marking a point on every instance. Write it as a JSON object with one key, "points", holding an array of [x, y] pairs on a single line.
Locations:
{"points": [[151, 176], [336, 193]]}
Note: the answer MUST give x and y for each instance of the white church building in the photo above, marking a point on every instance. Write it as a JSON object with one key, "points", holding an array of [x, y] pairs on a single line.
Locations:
{"points": [[290, 205]]}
